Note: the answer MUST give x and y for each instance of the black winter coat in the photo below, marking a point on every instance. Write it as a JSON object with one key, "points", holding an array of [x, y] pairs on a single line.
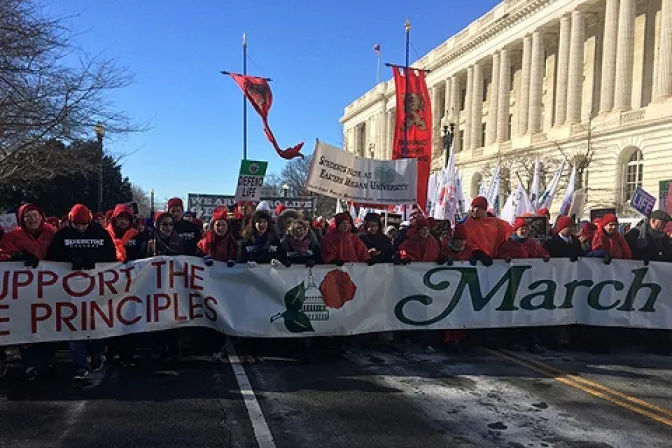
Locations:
{"points": [[381, 243], [95, 245], [558, 248], [190, 235], [262, 252], [294, 257], [656, 249]]}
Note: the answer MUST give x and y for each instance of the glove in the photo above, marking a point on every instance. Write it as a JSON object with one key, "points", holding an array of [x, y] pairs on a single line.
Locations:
{"points": [[251, 264], [338, 263], [276, 264], [370, 261], [310, 263], [607, 259], [449, 262], [77, 264], [18, 256], [230, 263], [208, 260], [287, 264], [407, 262], [573, 258], [440, 262], [546, 258], [646, 262], [89, 265], [31, 260], [483, 257], [397, 261], [473, 262], [508, 259]]}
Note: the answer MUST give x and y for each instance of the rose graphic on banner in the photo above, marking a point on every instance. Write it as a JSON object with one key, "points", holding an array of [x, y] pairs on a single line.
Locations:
{"points": [[337, 288]]}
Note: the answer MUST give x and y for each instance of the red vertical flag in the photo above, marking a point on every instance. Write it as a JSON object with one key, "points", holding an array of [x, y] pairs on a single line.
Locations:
{"points": [[413, 128], [258, 93]]}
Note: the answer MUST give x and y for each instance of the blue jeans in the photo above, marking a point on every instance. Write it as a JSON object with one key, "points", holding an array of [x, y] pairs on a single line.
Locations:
{"points": [[78, 349]]}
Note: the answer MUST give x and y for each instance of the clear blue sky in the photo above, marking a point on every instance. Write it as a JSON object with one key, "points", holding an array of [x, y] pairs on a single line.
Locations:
{"points": [[318, 53]]}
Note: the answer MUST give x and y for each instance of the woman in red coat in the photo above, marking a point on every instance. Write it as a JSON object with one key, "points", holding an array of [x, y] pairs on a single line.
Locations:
{"points": [[608, 243], [340, 245], [458, 247], [29, 242], [519, 245], [420, 244], [219, 242]]}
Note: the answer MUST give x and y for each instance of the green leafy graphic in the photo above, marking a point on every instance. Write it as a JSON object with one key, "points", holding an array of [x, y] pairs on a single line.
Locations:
{"points": [[296, 321]]}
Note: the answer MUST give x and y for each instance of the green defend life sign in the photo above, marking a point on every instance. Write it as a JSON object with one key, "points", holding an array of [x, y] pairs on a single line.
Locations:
{"points": [[250, 180]]}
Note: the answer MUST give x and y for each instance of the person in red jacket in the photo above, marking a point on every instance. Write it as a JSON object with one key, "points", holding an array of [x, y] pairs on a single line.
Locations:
{"points": [[608, 243], [29, 242], [519, 245], [420, 244], [487, 233], [458, 248], [124, 235], [219, 243], [340, 245]]}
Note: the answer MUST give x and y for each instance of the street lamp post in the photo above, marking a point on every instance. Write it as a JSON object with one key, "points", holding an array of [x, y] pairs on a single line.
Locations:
{"points": [[448, 136], [99, 129], [285, 189]]}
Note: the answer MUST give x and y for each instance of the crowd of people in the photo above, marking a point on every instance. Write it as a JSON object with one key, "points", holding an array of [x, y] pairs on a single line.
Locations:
{"points": [[283, 237]]}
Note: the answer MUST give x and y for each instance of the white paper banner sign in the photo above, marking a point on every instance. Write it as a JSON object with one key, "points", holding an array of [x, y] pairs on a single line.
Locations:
{"points": [[8, 222], [342, 175], [53, 303]]}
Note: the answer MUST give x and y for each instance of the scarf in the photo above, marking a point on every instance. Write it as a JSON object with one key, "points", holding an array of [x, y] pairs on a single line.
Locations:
{"points": [[167, 245], [451, 246], [518, 239], [301, 246], [121, 242]]}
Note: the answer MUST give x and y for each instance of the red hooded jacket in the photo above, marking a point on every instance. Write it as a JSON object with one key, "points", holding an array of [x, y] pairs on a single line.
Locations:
{"points": [[615, 245], [346, 247], [415, 248], [448, 254], [488, 234], [20, 239], [120, 243], [221, 248], [513, 249]]}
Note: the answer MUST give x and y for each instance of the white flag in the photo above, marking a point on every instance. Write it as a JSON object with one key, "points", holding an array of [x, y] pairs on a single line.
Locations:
{"points": [[432, 192], [534, 192], [546, 200], [516, 205], [447, 208], [353, 213], [569, 194], [493, 191], [339, 206], [462, 206]]}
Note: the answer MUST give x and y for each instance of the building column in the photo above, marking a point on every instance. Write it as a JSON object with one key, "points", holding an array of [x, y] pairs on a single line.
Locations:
{"points": [[563, 72], [504, 96], [575, 71], [536, 82], [436, 119], [664, 73], [524, 108], [391, 121], [477, 108], [625, 55], [454, 115], [447, 100], [609, 56], [467, 108], [493, 101]]}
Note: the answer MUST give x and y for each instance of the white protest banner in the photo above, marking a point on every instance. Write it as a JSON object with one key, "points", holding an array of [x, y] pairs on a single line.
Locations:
{"points": [[53, 302], [250, 180], [8, 222], [340, 174]]}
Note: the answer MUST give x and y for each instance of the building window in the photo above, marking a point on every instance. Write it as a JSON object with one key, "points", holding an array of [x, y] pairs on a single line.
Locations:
{"points": [[463, 99], [483, 133], [486, 85], [460, 136], [510, 125], [633, 174], [476, 181], [361, 140]]}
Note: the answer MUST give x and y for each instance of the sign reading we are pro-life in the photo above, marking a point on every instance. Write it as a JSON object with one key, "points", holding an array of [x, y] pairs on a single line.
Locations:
{"points": [[250, 180]]}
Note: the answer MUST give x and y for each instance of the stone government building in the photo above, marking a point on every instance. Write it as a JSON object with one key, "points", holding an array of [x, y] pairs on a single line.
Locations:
{"points": [[546, 77]]}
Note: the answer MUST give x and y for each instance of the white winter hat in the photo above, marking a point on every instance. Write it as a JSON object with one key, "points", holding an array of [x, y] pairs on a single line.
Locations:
{"points": [[264, 207]]}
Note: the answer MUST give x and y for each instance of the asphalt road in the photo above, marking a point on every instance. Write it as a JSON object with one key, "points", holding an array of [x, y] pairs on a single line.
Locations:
{"points": [[366, 398]]}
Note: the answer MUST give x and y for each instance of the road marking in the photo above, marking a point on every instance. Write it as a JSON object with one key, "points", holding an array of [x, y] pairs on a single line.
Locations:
{"points": [[565, 378], [593, 384], [259, 425]]}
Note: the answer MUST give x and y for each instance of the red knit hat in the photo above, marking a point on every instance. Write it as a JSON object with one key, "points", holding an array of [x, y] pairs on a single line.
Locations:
{"points": [[520, 222], [563, 222], [122, 210], [280, 208], [340, 217], [588, 228], [420, 223], [159, 215], [175, 202], [480, 202], [221, 214], [460, 232], [80, 214], [608, 218], [25, 208], [544, 212]]}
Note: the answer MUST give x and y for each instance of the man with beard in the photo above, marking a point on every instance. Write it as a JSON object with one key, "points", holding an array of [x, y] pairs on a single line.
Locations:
{"points": [[188, 232], [83, 244], [648, 241]]}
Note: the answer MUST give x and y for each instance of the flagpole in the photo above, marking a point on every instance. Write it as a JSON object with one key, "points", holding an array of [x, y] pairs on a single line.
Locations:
{"points": [[244, 99], [407, 27]]}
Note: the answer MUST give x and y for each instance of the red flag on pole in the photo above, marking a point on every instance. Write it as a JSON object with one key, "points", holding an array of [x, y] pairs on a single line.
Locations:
{"points": [[258, 93], [413, 128]]}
